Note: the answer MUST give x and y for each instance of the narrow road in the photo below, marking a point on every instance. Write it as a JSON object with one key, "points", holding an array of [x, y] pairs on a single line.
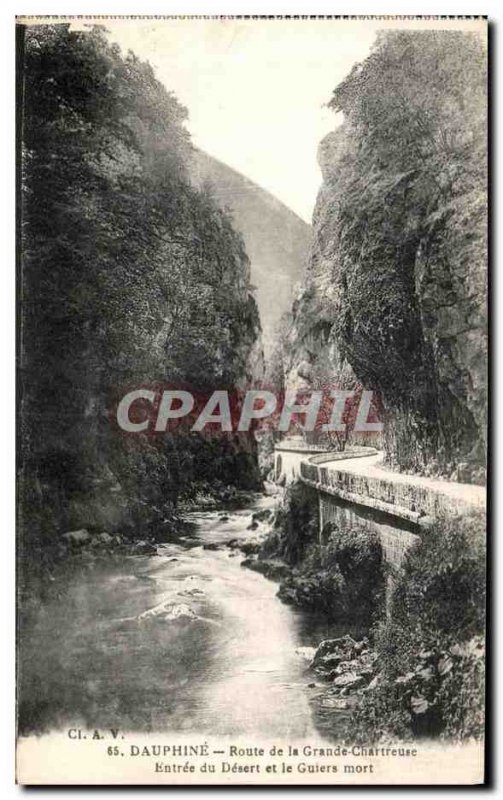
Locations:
{"points": [[371, 467]]}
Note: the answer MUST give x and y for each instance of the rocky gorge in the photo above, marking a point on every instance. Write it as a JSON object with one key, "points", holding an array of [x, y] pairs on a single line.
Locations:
{"points": [[394, 296], [169, 564]]}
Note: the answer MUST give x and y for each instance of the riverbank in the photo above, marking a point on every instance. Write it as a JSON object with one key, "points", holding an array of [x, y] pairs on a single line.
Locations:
{"points": [[361, 677], [183, 640], [52, 543], [338, 671], [416, 670]]}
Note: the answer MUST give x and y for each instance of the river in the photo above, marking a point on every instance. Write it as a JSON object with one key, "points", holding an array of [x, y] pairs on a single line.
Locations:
{"points": [[186, 641]]}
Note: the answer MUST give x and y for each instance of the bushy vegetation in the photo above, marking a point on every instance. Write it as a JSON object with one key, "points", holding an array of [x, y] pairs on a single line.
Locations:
{"points": [[342, 577], [357, 552], [129, 275], [431, 651], [296, 522]]}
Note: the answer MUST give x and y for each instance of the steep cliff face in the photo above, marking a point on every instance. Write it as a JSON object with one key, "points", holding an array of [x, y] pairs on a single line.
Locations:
{"points": [[276, 239], [396, 284], [130, 276], [311, 340]]}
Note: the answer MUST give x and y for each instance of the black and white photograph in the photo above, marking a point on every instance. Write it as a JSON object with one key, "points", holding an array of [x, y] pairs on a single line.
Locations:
{"points": [[252, 400]]}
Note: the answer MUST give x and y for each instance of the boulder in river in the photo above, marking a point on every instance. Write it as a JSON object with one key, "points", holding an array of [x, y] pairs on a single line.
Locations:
{"points": [[329, 662], [262, 515], [348, 666], [167, 612], [144, 548], [349, 679], [103, 539], [333, 650], [234, 543], [269, 568], [306, 652], [77, 538], [250, 547]]}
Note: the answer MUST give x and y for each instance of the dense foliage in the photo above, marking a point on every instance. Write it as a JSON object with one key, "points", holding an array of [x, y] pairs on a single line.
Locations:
{"points": [[129, 275], [426, 640], [343, 578], [431, 651], [296, 523], [340, 576]]}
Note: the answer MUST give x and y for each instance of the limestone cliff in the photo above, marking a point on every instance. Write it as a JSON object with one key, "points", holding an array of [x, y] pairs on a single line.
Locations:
{"points": [[396, 282]]}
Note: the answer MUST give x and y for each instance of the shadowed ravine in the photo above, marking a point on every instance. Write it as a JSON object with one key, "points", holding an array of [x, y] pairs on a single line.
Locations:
{"points": [[185, 641]]}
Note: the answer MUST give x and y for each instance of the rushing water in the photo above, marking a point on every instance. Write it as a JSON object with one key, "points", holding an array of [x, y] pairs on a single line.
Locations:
{"points": [[185, 641]]}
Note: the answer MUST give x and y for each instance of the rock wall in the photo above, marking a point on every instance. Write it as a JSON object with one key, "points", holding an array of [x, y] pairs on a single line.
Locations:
{"points": [[129, 276], [395, 291]]}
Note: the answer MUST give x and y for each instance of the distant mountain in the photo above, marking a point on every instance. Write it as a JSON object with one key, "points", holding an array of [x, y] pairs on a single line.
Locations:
{"points": [[276, 239]]}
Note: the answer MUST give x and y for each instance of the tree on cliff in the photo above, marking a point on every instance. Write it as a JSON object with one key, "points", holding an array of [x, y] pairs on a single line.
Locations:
{"points": [[328, 383]]}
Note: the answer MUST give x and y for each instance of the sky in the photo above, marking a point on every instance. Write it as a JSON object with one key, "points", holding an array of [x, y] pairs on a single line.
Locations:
{"points": [[257, 90]]}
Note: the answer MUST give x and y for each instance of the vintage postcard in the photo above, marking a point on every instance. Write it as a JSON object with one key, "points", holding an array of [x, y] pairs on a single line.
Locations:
{"points": [[252, 400]]}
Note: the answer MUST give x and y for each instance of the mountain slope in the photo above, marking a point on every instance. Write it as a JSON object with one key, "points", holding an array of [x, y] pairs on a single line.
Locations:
{"points": [[276, 239]]}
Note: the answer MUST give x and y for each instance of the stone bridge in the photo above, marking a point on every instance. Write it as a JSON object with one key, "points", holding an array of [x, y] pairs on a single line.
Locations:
{"points": [[354, 487]]}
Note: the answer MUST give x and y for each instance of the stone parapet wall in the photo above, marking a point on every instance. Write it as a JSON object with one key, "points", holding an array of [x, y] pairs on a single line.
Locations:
{"points": [[395, 540], [408, 499]]}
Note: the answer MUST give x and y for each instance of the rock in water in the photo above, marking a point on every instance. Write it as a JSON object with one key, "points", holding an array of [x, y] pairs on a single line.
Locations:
{"points": [[144, 548], [349, 679], [306, 652], [167, 612], [77, 538], [340, 648], [338, 704], [103, 540], [262, 515]]}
